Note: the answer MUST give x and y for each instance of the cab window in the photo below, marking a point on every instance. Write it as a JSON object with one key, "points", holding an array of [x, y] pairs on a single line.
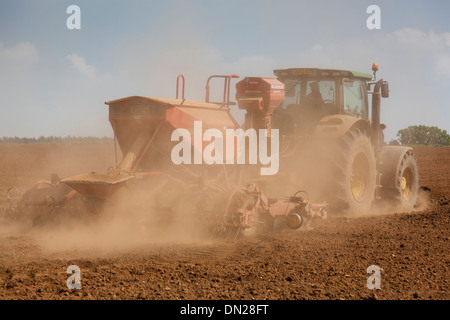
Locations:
{"points": [[299, 93], [292, 92], [354, 98], [326, 90]]}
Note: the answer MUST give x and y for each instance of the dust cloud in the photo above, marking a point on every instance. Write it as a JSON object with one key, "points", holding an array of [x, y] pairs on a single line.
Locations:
{"points": [[387, 207], [150, 211], [138, 215], [111, 233]]}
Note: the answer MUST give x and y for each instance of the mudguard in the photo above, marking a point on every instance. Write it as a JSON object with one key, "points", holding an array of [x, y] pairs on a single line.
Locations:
{"points": [[335, 126]]}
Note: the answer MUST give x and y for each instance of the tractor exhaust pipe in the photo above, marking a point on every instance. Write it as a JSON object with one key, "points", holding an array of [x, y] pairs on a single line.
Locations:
{"points": [[376, 103]]}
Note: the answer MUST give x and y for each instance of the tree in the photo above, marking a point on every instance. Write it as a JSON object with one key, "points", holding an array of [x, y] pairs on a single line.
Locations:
{"points": [[394, 142], [423, 135]]}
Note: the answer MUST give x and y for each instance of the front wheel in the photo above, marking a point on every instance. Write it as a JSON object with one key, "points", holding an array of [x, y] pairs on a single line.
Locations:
{"points": [[407, 182]]}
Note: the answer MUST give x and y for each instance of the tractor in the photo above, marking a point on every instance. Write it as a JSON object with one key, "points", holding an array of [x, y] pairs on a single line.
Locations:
{"points": [[326, 112], [332, 157]]}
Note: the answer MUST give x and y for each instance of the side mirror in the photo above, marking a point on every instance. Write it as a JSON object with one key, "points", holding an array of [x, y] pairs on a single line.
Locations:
{"points": [[385, 90]]}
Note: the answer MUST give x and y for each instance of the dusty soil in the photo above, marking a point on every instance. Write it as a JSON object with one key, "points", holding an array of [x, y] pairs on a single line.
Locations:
{"points": [[327, 261]]}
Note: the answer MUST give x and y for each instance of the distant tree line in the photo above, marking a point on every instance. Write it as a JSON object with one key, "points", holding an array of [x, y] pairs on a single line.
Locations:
{"points": [[422, 135], [53, 139]]}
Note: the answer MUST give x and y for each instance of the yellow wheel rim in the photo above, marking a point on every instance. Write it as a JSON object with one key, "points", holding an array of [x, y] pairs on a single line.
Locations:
{"points": [[359, 176], [406, 183]]}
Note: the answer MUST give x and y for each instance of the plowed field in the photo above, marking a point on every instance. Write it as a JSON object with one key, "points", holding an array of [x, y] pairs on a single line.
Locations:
{"points": [[327, 261]]}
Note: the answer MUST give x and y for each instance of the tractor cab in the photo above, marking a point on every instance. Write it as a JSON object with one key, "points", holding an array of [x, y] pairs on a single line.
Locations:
{"points": [[312, 94]]}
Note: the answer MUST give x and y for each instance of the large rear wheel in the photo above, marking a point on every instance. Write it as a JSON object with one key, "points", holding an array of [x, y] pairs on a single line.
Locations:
{"points": [[353, 179]]}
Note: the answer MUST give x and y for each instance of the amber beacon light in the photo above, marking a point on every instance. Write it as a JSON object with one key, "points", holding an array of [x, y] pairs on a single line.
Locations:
{"points": [[375, 67]]}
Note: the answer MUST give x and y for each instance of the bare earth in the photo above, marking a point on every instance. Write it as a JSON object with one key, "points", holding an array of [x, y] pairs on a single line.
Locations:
{"points": [[327, 261]]}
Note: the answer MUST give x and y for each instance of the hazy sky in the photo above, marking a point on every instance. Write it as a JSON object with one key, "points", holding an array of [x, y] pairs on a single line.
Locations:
{"points": [[54, 81]]}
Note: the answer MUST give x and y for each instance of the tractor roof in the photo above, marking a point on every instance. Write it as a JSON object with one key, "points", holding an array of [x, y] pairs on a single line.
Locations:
{"points": [[300, 72]]}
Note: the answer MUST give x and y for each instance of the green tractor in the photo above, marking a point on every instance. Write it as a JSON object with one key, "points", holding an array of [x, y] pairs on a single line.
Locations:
{"points": [[332, 143]]}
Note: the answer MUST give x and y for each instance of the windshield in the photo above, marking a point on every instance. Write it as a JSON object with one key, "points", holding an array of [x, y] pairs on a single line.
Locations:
{"points": [[305, 92]]}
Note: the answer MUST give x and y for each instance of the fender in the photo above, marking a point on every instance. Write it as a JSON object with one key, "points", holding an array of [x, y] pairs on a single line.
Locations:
{"points": [[335, 126], [390, 158]]}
